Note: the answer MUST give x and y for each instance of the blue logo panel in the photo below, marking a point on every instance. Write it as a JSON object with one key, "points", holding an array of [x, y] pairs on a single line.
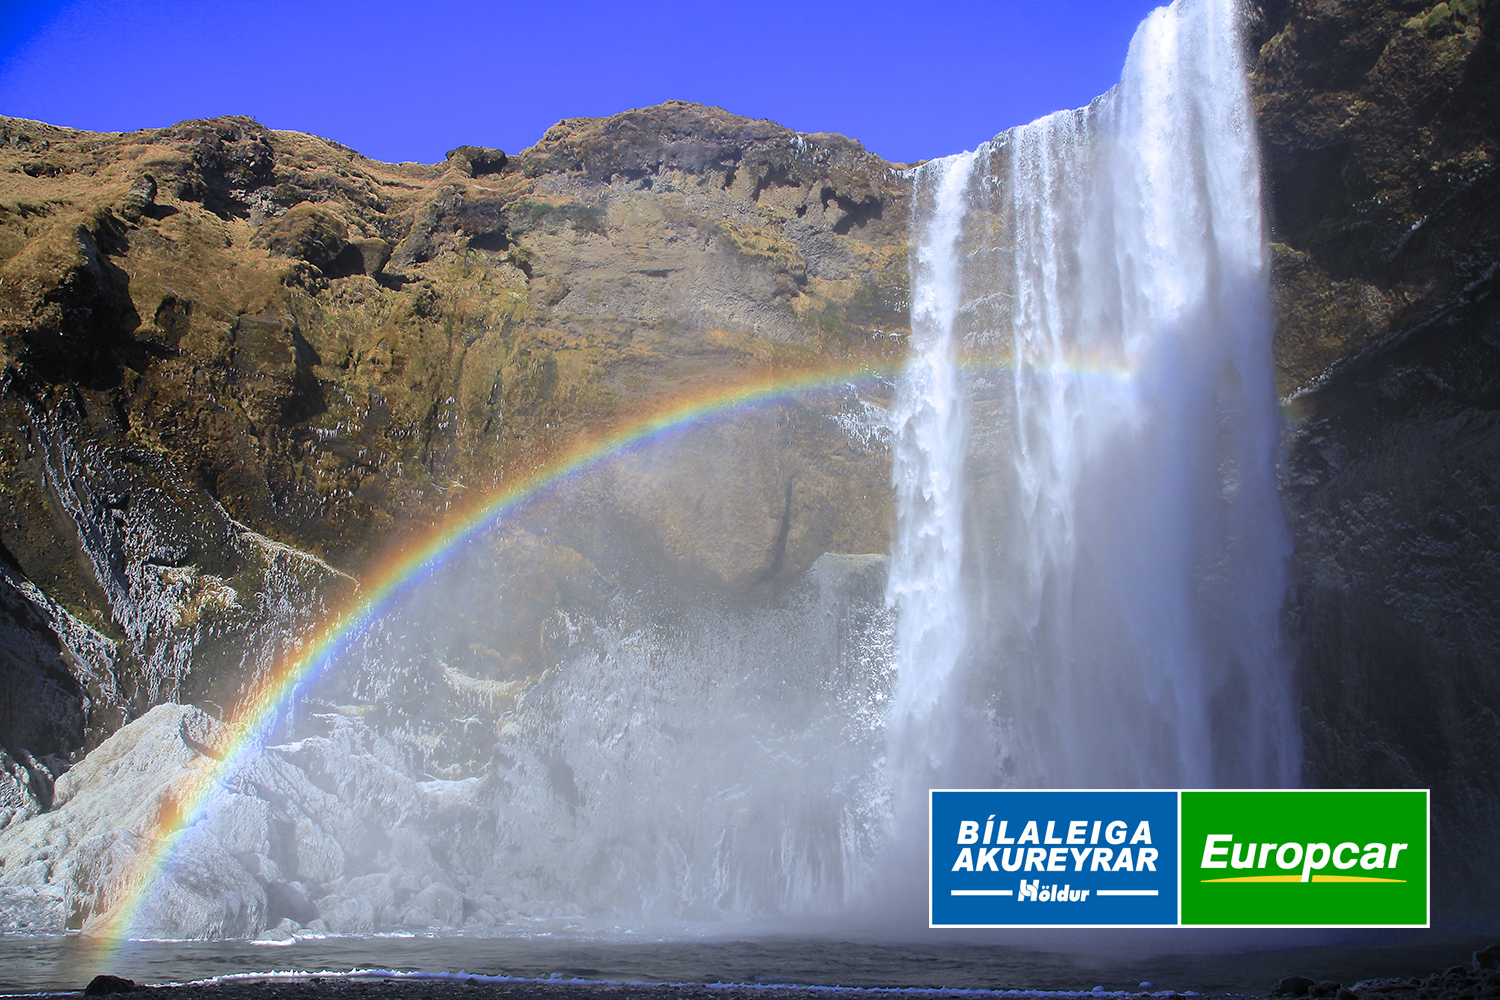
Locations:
{"points": [[1006, 858]]}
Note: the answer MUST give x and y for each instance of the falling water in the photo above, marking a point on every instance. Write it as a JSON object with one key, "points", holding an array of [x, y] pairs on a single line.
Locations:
{"points": [[927, 559], [1088, 567], [1087, 578]]}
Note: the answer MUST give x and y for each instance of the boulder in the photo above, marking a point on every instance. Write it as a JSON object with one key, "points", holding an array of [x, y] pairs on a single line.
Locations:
{"points": [[440, 904], [200, 893], [476, 161], [242, 823], [348, 915], [307, 232]]}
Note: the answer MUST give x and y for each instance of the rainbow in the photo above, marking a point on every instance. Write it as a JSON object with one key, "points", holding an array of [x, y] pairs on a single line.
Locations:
{"points": [[409, 566], [405, 569]]}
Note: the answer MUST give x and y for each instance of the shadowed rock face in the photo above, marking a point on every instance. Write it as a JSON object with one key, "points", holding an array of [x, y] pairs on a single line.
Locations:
{"points": [[1381, 137], [1379, 148]]}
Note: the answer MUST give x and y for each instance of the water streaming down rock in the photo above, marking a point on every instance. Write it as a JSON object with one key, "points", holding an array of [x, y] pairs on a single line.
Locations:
{"points": [[1100, 608], [926, 584]]}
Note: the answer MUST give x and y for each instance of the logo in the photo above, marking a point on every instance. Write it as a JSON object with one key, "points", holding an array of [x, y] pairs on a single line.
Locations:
{"points": [[1053, 858], [1271, 858], [1305, 858]]}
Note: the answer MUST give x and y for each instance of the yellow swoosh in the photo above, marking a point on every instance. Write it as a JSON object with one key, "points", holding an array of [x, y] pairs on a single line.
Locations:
{"points": [[1298, 878]]}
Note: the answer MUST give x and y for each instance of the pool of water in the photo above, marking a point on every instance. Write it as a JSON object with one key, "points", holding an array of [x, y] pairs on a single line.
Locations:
{"points": [[1209, 962]]}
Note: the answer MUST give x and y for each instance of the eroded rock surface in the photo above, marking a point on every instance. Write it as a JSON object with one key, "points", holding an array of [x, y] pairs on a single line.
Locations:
{"points": [[235, 359], [1381, 137]]}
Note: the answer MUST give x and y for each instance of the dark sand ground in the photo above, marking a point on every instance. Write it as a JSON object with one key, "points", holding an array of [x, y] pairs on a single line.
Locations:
{"points": [[1479, 978]]}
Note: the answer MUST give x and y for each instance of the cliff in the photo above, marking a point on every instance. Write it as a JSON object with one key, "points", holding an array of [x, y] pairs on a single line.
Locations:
{"points": [[1380, 125], [240, 365]]}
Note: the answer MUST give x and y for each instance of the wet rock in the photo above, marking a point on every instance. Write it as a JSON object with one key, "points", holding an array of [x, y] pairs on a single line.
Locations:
{"points": [[59, 678], [319, 857], [200, 893], [1379, 144], [32, 909], [349, 915], [261, 868], [290, 900], [418, 916], [1293, 986], [79, 857], [441, 905], [379, 887], [242, 823], [169, 564], [126, 779], [18, 801], [104, 985]]}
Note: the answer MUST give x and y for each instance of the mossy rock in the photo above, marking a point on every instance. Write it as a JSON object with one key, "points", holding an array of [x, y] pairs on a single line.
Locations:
{"points": [[477, 161], [307, 232]]}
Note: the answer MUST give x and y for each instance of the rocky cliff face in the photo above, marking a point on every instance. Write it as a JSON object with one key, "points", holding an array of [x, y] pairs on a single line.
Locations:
{"points": [[1381, 137], [239, 365], [235, 359]]}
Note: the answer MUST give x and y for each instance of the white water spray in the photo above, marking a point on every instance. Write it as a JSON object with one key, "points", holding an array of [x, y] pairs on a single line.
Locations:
{"points": [[927, 560], [1088, 567]]}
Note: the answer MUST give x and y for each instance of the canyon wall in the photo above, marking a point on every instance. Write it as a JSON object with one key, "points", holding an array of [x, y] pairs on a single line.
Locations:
{"points": [[1380, 127], [240, 365]]}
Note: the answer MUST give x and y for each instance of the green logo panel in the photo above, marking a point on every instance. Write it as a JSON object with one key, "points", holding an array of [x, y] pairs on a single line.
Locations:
{"points": [[1321, 858]]}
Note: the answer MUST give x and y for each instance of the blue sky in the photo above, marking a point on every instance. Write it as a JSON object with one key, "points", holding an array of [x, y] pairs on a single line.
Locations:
{"points": [[408, 81]]}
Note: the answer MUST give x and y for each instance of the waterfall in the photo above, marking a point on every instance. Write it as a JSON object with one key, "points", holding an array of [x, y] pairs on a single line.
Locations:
{"points": [[928, 474], [1086, 578], [1088, 566]]}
